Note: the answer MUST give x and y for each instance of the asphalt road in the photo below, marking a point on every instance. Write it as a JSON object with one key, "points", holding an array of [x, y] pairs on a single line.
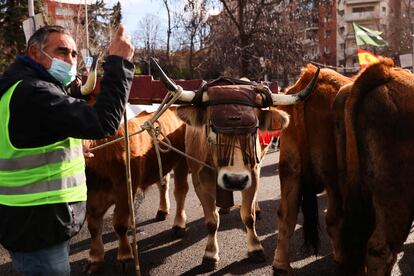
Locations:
{"points": [[160, 254]]}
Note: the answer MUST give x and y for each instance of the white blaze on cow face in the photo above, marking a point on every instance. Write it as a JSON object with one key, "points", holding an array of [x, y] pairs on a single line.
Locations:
{"points": [[237, 176]]}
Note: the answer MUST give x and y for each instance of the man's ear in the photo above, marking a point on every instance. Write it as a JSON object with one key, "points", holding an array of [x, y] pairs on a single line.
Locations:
{"points": [[34, 52]]}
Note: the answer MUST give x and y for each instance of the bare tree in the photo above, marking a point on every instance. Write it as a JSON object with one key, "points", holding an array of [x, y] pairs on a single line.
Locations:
{"points": [[247, 32], [259, 37], [169, 30], [146, 37], [193, 23], [401, 28]]}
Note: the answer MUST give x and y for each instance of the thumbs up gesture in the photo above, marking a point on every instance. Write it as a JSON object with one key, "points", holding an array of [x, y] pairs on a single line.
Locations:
{"points": [[121, 44]]}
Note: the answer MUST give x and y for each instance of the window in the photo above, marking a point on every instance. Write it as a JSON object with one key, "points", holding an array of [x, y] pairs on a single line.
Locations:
{"points": [[363, 9], [64, 11], [341, 30], [384, 11], [327, 33]]}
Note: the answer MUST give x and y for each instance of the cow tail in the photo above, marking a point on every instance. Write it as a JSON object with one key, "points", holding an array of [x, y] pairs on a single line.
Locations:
{"points": [[359, 215], [310, 217]]}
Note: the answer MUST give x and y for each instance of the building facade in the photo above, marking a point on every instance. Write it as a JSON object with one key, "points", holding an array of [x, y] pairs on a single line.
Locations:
{"points": [[64, 12]]}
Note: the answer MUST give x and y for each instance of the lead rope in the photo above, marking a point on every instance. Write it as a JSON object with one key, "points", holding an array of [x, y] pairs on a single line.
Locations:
{"points": [[169, 99], [154, 132], [131, 197]]}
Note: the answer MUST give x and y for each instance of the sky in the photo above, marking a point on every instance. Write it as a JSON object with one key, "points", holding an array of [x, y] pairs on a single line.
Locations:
{"points": [[135, 10]]}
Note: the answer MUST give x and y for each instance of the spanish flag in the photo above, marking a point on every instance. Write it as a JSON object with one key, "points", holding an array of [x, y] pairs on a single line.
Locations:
{"points": [[366, 58]]}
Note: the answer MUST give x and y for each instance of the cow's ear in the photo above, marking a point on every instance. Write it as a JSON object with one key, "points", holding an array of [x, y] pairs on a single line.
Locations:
{"points": [[273, 119], [191, 115]]}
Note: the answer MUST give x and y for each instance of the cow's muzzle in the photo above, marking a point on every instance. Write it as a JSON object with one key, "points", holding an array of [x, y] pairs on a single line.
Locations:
{"points": [[233, 181]]}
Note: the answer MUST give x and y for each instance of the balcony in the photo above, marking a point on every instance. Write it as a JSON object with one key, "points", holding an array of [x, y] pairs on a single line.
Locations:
{"points": [[360, 16], [310, 42]]}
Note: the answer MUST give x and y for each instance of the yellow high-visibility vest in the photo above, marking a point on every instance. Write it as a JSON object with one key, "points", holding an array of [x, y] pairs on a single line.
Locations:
{"points": [[43, 175]]}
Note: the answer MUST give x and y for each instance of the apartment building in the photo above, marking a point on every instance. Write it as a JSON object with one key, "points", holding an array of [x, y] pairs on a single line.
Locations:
{"points": [[320, 36], [373, 14]]}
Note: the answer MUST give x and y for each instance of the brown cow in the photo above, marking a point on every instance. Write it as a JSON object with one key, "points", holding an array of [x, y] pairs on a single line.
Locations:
{"points": [[307, 163], [106, 182], [377, 146], [222, 132]]}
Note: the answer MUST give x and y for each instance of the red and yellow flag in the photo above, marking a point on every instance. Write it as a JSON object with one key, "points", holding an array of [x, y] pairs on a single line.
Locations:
{"points": [[366, 58]]}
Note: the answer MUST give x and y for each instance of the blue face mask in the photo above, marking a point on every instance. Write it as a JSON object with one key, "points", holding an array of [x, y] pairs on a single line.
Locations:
{"points": [[61, 71]]}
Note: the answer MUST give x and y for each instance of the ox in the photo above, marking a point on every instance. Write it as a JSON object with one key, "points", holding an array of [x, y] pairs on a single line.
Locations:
{"points": [[106, 182], [221, 131], [376, 115], [307, 163]]}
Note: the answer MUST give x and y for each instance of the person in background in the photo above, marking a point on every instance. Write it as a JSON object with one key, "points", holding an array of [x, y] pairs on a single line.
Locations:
{"points": [[42, 167]]}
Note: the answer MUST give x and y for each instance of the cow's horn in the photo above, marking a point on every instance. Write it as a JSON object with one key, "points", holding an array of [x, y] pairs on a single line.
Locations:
{"points": [[280, 99], [186, 95], [89, 86]]}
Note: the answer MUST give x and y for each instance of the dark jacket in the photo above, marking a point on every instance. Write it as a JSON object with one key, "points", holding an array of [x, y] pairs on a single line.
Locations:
{"points": [[42, 113]]}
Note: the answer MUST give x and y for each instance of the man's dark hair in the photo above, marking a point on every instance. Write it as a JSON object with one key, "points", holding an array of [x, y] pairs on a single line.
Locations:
{"points": [[41, 35]]}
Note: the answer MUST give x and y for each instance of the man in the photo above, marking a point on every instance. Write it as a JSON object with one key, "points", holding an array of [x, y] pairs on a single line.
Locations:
{"points": [[42, 179]]}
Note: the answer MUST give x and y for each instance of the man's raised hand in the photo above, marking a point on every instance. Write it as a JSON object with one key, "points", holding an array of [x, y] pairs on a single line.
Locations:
{"points": [[121, 44]]}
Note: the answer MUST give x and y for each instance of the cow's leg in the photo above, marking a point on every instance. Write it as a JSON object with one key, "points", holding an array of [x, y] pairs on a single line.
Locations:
{"points": [[180, 193], [393, 224], [206, 193], [286, 215], [164, 208], [333, 221], [121, 223], [97, 205], [248, 215]]}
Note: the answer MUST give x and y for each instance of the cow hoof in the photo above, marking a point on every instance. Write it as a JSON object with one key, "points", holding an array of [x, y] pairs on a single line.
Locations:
{"points": [[161, 215], [178, 232], [209, 264], [257, 256], [282, 271], [93, 267], [126, 265]]}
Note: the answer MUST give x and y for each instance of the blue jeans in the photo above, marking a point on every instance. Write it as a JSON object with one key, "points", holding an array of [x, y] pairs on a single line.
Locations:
{"points": [[51, 261]]}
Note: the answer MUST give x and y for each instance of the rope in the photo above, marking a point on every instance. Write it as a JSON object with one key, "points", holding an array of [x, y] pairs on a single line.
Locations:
{"points": [[188, 156], [131, 198], [169, 99], [114, 141]]}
